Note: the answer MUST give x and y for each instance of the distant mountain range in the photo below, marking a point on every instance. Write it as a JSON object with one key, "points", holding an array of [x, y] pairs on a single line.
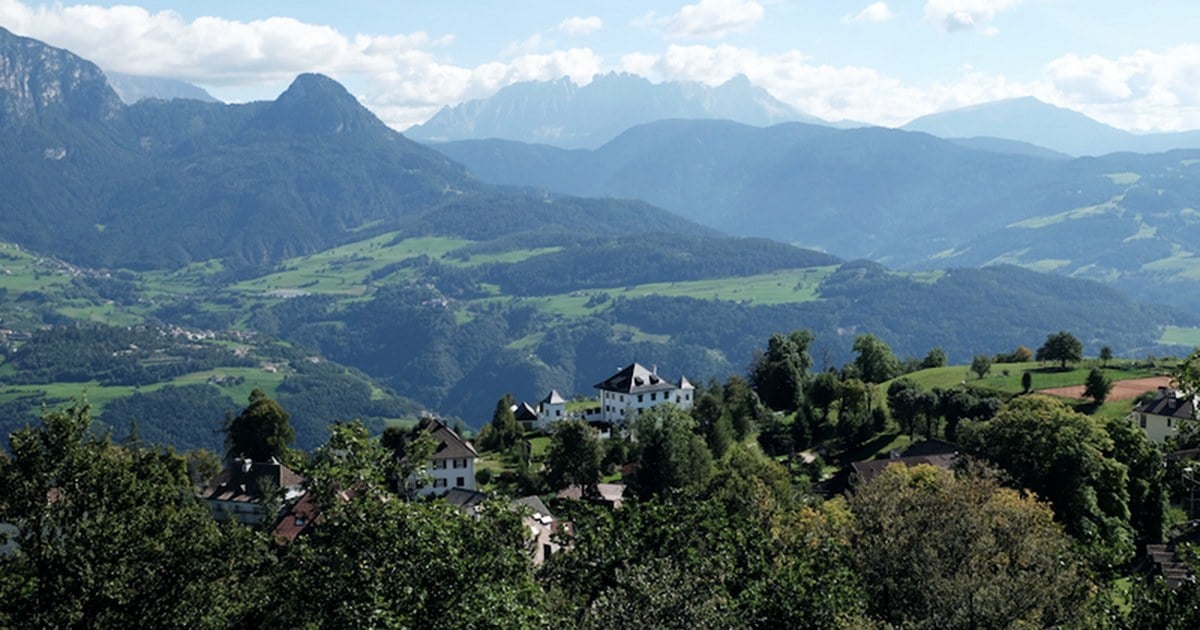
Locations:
{"points": [[163, 183], [907, 199], [1030, 120], [563, 114], [133, 88]]}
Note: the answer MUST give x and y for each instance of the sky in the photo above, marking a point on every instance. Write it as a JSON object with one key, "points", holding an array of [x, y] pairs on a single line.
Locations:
{"points": [[1133, 66]]}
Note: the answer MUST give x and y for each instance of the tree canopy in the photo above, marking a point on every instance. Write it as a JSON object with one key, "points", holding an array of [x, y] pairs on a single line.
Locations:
{"points": [[1060, 454], [1061, 346], [261, 431]]}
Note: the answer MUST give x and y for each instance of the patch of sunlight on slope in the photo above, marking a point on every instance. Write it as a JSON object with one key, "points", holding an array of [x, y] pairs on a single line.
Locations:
{"points": [[1123, 179], [1047, 264], [1181, 264], [1077, 213], [1144, 231]]}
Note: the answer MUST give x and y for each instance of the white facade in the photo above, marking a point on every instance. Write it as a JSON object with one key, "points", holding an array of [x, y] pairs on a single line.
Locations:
{"points": [[636, 389], [1161, 417], [452, 464], [447, 473], [550, 409]]}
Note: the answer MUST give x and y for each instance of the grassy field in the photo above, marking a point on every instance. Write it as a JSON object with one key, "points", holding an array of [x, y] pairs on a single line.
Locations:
{"points": [[99, 395], [1044, 375], [1179, 336], [779, 287]]}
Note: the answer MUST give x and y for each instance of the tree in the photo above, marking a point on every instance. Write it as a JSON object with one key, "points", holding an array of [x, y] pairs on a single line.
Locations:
{"points": [[504, 432], [981, 364], [1186, 376], [779, 375], [1050, 449], [823, 392], [1106, 355], [944, 551], [743, 406], [875, 361], [1147, 483], [113, 536], [935, 359], [1097, 386], [670, 454], [261, 431], [1027, 381], [574, 457], [1061, 346]]}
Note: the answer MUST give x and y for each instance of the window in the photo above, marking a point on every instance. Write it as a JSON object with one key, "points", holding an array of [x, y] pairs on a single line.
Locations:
{"points": [[460, 482], [1142, 420], [640, 396], [677, 398], [654, 396], [622, 397], [557, 413], [1168, 423], [439, 464], [439, 483]]}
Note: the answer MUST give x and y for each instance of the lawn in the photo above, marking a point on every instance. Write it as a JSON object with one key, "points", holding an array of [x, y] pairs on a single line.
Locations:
{"points": [[1044, 375], [1180, 336]]}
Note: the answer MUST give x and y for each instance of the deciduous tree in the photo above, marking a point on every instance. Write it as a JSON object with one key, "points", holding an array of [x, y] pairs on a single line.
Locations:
{"points": [[1050, 449], [939, 551], [1061, 346], [261, 431]]}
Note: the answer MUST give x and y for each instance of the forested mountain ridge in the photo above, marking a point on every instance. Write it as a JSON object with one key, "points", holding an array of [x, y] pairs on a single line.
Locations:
{"points": [[909, 200], [165, 183]]}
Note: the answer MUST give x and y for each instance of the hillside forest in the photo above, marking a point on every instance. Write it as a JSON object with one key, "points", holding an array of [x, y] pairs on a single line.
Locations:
{"points": [[722, 523]]}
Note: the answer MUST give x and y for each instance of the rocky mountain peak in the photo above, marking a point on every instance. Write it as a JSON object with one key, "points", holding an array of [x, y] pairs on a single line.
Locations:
{"points": [[38, 80]]}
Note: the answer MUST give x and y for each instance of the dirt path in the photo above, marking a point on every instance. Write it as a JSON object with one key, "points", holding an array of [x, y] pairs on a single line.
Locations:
{"points": [[1122, 390]]}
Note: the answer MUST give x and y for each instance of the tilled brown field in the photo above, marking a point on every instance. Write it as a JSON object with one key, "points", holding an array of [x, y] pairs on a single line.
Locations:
{"points": [[1122, 390]]}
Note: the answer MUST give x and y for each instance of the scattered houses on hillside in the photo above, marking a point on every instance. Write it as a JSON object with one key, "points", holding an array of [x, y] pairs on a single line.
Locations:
{"points": [[620, 396]]}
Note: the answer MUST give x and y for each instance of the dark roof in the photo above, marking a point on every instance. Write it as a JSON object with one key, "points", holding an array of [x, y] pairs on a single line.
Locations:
{"points": [[525, 412], [244, 481], [535, 505], [449, 444], [870, 469], [463, 499], [1187, 453], [613, 493], [298, 519], [1169, 403], [635, 379]]}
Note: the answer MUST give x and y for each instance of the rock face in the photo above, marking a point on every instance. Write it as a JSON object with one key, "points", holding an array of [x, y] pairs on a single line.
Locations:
{"points": [[566, 115], [133, 88], [37, 80]]}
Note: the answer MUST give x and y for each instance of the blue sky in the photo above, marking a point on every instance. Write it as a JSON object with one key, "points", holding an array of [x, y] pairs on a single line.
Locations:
{"points": [[1135, 67]]}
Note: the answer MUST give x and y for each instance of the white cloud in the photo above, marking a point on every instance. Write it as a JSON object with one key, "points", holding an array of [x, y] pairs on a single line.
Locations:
{"points": [[707, 19], [831, 92], [872, 13], [1143, 91], [961, 15], [578, 26], [400, 76]]}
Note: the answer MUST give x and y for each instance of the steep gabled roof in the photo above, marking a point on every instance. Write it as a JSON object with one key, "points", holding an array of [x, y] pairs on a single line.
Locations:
{"points": [[635, 379], [524, 411], [553, 398], [449, 444]]}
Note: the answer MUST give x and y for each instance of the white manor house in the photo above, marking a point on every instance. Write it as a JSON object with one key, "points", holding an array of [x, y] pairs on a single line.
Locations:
{"points": [[632, 389]]}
